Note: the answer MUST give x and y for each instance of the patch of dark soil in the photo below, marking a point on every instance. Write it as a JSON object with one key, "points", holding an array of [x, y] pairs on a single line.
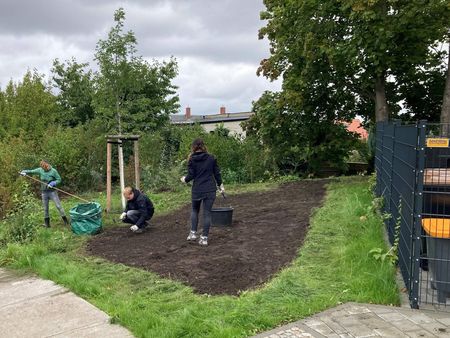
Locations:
{"points": [[268, 228]]}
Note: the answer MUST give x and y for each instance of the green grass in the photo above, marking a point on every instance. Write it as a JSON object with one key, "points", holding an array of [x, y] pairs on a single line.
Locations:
{"points": [[332, 267]]}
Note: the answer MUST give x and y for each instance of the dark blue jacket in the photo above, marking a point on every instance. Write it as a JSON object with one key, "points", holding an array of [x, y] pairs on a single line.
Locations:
{"points": [[203, 169], [142, 203]]}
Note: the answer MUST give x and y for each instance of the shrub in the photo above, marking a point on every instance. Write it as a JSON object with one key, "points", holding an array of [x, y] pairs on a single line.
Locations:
{"points": [[76, 154], [22, 221]]}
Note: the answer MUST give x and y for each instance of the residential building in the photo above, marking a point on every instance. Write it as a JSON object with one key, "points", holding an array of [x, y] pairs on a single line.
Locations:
{"points": [[231, 121]]}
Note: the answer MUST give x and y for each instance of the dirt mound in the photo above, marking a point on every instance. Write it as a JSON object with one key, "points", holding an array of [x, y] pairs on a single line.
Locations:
{"points": [[268, 229]]}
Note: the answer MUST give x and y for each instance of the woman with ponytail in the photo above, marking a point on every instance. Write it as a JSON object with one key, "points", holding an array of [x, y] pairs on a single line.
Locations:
{"points": [[204, 171]]}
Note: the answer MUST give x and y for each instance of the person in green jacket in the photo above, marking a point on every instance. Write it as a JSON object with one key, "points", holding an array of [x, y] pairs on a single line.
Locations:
{"points": [[50, 178]]}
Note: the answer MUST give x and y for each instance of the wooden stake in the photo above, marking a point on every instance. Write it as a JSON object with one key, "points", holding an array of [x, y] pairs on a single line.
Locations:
{"points": [[137, 175], [121, 173], [108, 177]]}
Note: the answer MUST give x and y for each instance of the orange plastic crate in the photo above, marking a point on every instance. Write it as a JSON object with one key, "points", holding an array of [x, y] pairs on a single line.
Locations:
{"points": [[437, 227]]}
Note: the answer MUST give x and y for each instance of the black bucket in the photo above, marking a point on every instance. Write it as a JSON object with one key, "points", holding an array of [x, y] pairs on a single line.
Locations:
{"points": [[222, 217]]}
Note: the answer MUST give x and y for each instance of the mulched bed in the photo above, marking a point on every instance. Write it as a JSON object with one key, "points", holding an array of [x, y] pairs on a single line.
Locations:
{"points": [[267, 231]]}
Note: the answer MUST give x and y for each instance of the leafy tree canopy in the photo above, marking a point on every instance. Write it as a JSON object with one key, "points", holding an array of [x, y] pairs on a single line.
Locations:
{"points": [[76, 90], [27, 108], [356, 49], [127, 93]]}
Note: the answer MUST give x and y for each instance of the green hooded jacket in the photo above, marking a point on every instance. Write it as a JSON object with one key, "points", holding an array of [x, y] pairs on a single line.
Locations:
{"points": [[45, 176]]}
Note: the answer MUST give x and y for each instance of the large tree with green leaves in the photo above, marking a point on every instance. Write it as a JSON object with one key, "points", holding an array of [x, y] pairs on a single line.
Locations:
{"points": [[358, 48], [342, 58], [132, 94]]}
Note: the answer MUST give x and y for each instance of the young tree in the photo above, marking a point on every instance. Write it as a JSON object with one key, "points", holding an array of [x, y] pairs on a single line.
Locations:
{"points": [[134, 93]]}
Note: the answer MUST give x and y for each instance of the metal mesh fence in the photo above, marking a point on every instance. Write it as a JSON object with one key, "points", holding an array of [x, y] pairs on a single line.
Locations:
{"points": [[413, 177]]}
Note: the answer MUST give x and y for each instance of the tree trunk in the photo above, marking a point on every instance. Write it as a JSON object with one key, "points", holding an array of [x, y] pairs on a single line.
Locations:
{"points": [[445, 109], [381, 106]]}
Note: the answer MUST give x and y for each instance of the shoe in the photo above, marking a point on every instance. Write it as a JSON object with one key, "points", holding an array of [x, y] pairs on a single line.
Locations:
{"points": [[134, 228], [139, 231], [203, 240], [65, 220], [47, 222], [192, 236]]}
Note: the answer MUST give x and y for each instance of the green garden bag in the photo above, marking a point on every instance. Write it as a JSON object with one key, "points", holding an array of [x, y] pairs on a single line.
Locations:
{"points": [[86, 218]]}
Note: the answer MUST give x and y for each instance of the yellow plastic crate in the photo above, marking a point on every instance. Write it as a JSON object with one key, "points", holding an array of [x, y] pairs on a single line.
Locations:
{"points": [[437, 227]]}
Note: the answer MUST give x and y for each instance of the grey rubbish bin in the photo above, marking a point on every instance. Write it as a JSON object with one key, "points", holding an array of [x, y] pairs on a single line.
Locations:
{"points": [[438, 247]]}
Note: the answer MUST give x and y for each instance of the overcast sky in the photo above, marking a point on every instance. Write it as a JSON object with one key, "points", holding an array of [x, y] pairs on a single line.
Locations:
{"points": [[214, 42]]}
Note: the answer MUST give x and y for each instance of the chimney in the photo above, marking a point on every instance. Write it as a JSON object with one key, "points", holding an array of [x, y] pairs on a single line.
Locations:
{"points": [[187, 115], [222, 110]]}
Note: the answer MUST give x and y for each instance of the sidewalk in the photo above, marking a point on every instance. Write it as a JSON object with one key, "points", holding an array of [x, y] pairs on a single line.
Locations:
{"points": [[33, 307], [367, 320]]}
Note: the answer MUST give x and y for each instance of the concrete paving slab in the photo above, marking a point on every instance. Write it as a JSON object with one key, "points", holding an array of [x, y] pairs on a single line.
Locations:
{"points": [[367, 320], [390, 332], [16, 291], [33, 307]]}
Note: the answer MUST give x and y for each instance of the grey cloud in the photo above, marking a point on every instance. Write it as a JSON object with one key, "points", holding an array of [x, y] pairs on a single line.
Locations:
{"points": [[218, 38], [22, 17]]}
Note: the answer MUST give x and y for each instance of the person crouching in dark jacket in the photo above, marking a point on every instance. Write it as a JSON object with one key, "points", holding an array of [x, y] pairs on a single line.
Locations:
{"points": [[138, 211], [203, 169]]}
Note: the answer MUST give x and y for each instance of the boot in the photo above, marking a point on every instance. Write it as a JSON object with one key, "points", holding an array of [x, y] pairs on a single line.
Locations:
{"points": [[66, 221], [47, 222]]}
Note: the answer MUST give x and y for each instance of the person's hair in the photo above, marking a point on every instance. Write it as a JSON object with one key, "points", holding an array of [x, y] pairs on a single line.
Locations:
{"points": [[197, 146], [44, 164], [127, 191]]}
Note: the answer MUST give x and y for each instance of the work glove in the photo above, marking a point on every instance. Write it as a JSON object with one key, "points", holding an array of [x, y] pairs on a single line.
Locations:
{"points": [[23, 173], [51, 184], [134, 228], [123, 215], [221, 188], [183, 179]]}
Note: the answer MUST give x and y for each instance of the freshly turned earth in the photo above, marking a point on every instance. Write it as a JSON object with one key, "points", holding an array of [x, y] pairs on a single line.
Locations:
{"points": [[268, 228]]}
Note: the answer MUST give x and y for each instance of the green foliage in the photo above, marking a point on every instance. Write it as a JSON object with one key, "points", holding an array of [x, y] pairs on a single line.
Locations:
{"points": [[76, 90], [15, 155], [22, 221], [390, 255], [295, 140], [127, 94], [28, 108], [164, 156], [132, 94], [335, 57], [75, 154]]}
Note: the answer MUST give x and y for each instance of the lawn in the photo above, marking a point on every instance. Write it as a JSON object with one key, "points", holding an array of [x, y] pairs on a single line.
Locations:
{"points": [[333, 266]]}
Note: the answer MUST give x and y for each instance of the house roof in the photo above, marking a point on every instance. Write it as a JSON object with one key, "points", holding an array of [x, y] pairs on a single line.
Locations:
{"points": [[215, 118], [356, 127]]}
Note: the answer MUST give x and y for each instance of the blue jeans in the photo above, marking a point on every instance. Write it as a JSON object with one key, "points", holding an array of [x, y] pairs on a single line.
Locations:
{"points": [[48, 195], [208, 200]]}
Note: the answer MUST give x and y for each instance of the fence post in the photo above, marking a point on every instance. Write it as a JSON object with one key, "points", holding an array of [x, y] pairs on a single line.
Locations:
{"points": [[379, 157], [417, 211], [391, 221]]}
